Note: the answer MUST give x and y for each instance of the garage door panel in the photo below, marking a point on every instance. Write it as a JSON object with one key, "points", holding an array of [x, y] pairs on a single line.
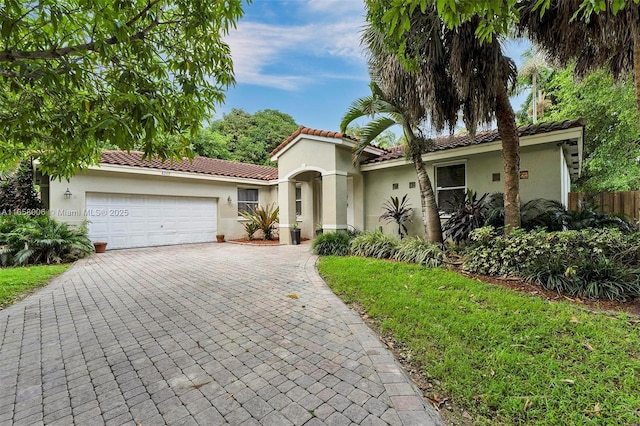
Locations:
{"points": [[116, 241], [151, 220]]}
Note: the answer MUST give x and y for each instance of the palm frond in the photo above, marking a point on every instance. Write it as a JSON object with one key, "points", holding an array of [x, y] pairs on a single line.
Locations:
{"points": [[371, 131], [358, 109]]}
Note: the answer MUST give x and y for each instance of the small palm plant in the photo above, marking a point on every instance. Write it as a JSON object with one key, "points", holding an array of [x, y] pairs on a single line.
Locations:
{"points": [[262, 218], [398, 211], [250, 228]]}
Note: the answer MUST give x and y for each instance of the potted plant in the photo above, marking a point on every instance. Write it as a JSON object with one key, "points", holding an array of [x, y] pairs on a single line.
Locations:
{"points": [[318, 229], [220, 238], [100, 246], [295, 234]]}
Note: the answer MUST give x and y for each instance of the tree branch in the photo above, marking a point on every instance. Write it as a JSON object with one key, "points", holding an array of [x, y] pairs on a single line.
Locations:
{"points": [[21, 55], [142, 12]]}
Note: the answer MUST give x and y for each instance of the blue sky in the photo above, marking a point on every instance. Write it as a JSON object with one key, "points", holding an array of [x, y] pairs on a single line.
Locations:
{"points": [[303, 57]]}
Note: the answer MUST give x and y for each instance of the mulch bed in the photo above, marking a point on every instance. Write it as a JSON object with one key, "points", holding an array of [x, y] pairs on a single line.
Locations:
{"points": [[274, 242]]}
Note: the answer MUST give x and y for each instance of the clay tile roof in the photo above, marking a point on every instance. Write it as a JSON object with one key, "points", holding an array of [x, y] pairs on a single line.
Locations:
{"points": [[308, 131], [209, 166], [458, 141]]}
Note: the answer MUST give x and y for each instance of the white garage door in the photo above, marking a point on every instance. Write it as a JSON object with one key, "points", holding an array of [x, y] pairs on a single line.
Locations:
{"points": [[127, 220]]}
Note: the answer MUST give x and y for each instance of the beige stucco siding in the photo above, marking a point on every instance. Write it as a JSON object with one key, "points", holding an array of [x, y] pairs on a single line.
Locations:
{"points": [[542, 163], [378, 188], [344, 160], [310, 155], [72, 210]]}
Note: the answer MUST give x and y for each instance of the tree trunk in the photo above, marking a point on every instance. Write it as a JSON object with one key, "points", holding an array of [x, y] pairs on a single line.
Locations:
{"points": [[636, 63], [511, 153], [534, 99], [430, 213]]}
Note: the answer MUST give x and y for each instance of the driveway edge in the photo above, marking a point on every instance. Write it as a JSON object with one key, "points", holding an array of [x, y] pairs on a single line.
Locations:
{"points": [[407, 398]]}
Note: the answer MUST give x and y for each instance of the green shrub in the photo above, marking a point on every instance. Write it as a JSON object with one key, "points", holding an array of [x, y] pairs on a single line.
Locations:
{"points": [[9, 222], [536, 213], [553, 216], [417, 250], [40, 239], [353, 231], [468, 214], [600, 263], [374, 244], [332, 244], [589, 217]]}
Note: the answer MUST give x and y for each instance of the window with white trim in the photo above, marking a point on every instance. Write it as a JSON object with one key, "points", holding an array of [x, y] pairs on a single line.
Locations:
{"points": [[451, 187], [247, 200], [298, 200]]}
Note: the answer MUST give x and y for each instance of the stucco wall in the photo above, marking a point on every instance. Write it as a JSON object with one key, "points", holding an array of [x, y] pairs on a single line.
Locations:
{"points": [[307, 155], [542, 163], [304, 161], [72, 210]]}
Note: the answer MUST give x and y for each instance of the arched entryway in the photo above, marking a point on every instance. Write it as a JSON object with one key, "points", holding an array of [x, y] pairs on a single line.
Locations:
{"points": [[317, 175]]}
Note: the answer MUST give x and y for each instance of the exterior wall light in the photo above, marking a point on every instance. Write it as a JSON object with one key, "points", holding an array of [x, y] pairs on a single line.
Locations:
{"points": [[229, 200], [67, 194]]}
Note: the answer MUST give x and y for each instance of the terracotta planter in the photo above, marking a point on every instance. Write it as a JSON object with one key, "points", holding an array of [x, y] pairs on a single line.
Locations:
{"points": [[220, 238], [100, 246]]}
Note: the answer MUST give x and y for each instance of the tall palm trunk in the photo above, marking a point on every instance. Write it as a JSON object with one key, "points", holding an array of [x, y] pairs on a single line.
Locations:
{"points": [[430, 213], [636, 63], [534, 92], [511, 152]]}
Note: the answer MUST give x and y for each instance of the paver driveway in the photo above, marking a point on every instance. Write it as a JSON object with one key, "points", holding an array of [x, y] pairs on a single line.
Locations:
{"points": [[197, 334]]}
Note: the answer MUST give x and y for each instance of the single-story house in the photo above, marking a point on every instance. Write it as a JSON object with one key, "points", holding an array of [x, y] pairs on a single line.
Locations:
{"points": [[132, 202]]}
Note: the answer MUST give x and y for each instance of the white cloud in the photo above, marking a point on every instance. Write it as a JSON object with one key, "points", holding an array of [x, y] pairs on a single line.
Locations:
{"points": [[256, 46], [343, 39]]}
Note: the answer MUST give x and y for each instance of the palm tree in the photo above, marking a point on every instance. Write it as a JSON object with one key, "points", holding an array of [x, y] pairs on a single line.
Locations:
{"points": [[384, 114], [484, 77], [532, 67], [604, 39], [451, 70], [542, 104]]}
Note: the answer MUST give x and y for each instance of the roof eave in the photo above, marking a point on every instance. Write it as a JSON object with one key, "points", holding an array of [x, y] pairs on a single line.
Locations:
{"points": [[152, 171], [343, 141], [496, 145]]}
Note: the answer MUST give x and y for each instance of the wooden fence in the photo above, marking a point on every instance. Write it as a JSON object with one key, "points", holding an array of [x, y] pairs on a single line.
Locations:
{"points": [[626, 202]]}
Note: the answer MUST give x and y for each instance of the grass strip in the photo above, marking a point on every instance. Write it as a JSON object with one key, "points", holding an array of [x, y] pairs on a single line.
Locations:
{"points": [[506, 357], [15, 283]]}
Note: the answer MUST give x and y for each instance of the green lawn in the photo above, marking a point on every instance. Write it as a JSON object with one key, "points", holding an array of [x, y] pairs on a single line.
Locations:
{"points": [[505, 357], [16, 282]]}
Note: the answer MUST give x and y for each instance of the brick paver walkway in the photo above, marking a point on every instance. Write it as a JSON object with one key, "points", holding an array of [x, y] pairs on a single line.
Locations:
{"points": [[197, 335]]}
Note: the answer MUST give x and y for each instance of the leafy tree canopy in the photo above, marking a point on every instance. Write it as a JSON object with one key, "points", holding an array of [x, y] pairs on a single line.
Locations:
{"points": [[495, 16], [240, 136], [612, 133], [76, 74]]}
